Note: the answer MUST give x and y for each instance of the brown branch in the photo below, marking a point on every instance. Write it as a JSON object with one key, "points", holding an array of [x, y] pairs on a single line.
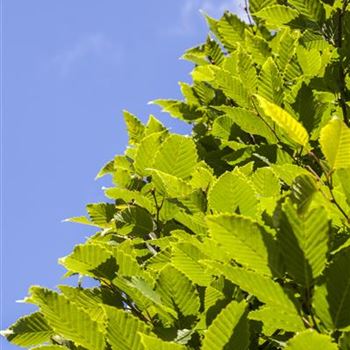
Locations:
{"points": [[342, 84]]}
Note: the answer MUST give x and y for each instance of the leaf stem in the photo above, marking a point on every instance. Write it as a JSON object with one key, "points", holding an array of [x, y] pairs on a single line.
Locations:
{"points": [[158, 209]]}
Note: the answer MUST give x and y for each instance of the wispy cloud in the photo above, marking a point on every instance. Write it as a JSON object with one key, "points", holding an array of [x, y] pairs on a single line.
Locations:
{"points": [[96, 46], [214, 8]]}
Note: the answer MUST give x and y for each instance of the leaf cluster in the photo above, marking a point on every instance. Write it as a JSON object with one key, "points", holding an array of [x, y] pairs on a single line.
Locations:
{"points": [[238, 236]]}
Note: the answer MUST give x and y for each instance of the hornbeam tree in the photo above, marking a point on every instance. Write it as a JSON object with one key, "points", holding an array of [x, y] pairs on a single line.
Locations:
{"points": [[238, 236]]}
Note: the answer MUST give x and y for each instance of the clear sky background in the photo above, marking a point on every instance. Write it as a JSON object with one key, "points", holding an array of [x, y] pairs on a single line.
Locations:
{"points": [[69, 68]]}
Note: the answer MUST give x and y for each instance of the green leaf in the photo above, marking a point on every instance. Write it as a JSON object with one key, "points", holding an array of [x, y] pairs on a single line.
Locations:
{"points": [[292, 70], [311, 340], [152, 343], [194, 221], [159, 260], [196, 55], [177, 291], [314, 40], [229, 329], [245, 241], [212, 295], [204, 73], [101, 213], [257, 46], [195, 202], [312, 9], [145, 154], [232, 193], [131, 197], [304, 188], [153, 126], [204, 92], [246, 69], [257, 5], [344, 341], [134, 220], [128, 266], [277, 15], [344, 179], [232, 87], [169, 185], [265, 289], [189, 94], [246, 120], [81, 220], [335, 144], [146, 289], [90, 300], [68, 320], [123, 330], [304, 242], [214, 52], [332, 299], [309, 60], [270, 84], [266, 183], [135, 128], [177, 156], [29, 330], [88, 259], [185, 257], [274, 318], [106, 169], [222, 127], [287, 44], [179, 109], [137, 297], [291, 127], [288, 172], [230, 30], [202, 178]]}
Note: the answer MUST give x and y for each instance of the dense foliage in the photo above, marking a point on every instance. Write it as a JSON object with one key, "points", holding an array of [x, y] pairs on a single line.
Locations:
{"points": [[237, 237]]}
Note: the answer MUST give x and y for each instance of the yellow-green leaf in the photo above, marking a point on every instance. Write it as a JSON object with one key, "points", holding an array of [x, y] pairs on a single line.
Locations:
{"points": [[291, 127], [311, 340], [335, 144]]}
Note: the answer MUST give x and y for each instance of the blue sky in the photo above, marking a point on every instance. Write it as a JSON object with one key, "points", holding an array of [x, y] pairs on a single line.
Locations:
{"points": [[69, 69]]}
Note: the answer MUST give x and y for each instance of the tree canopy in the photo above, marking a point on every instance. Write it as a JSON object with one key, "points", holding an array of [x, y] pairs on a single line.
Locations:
{"points": [[238, 236]]}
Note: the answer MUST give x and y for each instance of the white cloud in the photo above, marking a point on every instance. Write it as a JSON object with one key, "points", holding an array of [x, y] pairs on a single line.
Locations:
{"points": [[214, 8], [91, 46]]}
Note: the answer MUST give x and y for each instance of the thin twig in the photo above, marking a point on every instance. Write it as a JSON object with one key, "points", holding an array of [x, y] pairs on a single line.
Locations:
{"points": [[314, 322], [334, 201], [246, 10], [308, 295], [158, 209]]}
